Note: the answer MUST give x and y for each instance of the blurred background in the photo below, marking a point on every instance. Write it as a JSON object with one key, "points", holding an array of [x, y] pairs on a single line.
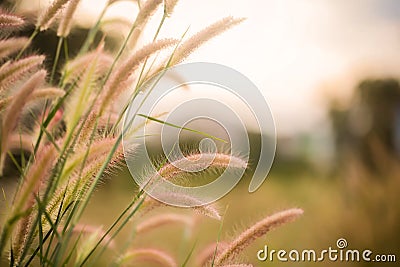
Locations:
{"points": [[330, 71]]}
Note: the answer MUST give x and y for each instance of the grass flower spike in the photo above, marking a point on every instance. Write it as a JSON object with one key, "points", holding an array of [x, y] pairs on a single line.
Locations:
{"points": [[194, 42], [12, 45], [12, 71], [148, 255], [164, 219], [10, 21], [48, 15], [65, 25], [14, 110], [145, 13], [63, 136], [254, 232]]}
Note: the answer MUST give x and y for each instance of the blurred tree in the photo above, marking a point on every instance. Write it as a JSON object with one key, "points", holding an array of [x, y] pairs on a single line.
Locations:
{"points": [[370, 127]]}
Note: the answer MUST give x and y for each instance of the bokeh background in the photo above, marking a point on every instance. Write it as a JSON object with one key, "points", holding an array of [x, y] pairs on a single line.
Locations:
{"points": [[330, 71]]}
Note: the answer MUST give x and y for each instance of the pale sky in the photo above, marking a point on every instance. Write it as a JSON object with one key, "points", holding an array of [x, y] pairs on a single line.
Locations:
{"points": [[290, 48], [295, 51]]}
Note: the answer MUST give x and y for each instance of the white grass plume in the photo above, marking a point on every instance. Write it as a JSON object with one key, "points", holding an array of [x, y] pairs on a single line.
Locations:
{"points": [[97, 150], [12, 71], [48, 92], [45, 93], [149, 255], [14, 111], [200, 161], [64, 28], [12, 45], [194, 42], [254, 232], [170, 6], [209, 210], [164, 219], [146, 12], [25, 199], [193, 164], [47, 16], [10, 21]]}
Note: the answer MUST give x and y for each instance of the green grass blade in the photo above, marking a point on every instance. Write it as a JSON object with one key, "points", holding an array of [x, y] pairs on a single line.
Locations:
{"points": [[73, 249], [92, 33], [12, 259], [40, 231], [44, 239], [113, 225], [56, 58], [189, 255], [183, 128], [58, 220], [33, 35], [14, 160], [219, 237]]}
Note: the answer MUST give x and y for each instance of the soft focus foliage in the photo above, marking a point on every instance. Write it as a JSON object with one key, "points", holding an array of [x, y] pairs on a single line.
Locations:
{"points": [[59, 134]]}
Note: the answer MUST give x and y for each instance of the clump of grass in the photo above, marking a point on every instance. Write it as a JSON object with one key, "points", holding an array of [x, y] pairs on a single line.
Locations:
{"points": [[26, 198], [73, 144]]}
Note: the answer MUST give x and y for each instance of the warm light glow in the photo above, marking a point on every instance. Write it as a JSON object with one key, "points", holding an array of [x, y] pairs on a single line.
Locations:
{"points": [[289, 48]]}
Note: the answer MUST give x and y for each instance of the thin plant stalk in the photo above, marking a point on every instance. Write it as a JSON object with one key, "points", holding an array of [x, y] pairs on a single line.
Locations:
{"points": [[33, 35], [93, 31], [123, 224], [56, 58]]}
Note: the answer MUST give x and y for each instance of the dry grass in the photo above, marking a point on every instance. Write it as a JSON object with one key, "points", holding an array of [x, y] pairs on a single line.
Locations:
{"points": [[71, 149]]}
